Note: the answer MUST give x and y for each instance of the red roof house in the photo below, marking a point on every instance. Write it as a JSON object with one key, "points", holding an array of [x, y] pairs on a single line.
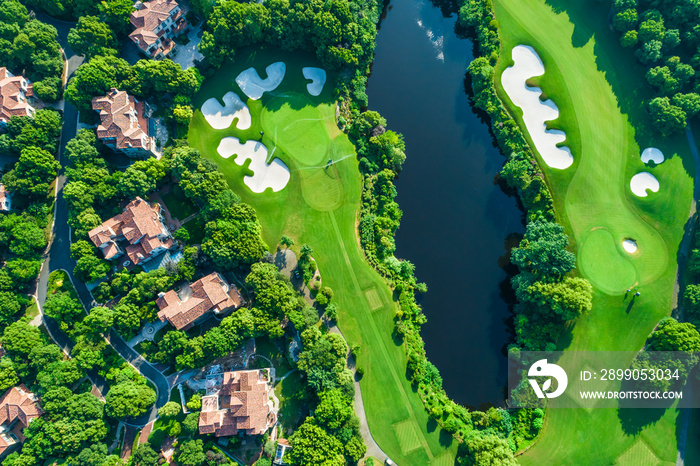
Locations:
{"points": [[208, 294], [156, 23], [241, 405]]}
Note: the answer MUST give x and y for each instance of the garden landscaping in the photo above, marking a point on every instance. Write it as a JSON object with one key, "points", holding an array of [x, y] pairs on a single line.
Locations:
{"points": [[595, 84]]}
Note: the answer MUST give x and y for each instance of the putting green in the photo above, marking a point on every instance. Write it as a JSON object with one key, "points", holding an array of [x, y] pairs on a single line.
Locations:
{"points": [[296, 126], [600, 262], [321, 187]]}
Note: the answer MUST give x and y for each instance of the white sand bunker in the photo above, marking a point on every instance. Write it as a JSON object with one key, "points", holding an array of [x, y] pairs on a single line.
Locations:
{"points": [[254, 86], [221, 117], [275, 175], [535, 112], [629, 245], [643, 181], [652, 154], [317, 77]]}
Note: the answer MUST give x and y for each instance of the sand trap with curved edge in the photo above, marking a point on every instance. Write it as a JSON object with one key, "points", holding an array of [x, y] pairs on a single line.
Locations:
{"points": [[275, 175], [652, 154], [254, 86], [643, 181], [630, 246], [317, 77], [535, 112], [221, 117]]}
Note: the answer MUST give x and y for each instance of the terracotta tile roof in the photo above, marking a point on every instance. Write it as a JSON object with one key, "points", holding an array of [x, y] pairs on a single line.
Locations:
{"points": [[122, 118], [14, 91], [242, 404], [149, 18], [140, 224], [210, 293], [20, 406]]}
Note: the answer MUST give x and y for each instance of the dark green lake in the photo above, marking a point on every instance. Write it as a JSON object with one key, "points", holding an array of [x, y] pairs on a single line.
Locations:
{"points": [[457, 221]]}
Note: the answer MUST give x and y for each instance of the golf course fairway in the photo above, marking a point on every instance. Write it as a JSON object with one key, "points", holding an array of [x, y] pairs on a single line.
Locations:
{"points": [[319, 207], [595, 83]]}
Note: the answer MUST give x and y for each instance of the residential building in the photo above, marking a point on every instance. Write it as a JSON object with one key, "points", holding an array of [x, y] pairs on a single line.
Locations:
{"points": [[188, 305], [16, 96], [241, 405], [18, 408], [5, 199], [124, 126], [282, 447], [138, 232], [156, 24]]}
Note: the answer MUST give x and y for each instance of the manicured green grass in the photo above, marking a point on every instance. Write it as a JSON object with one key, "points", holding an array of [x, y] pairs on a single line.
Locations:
{"points": [[320, 207], [292, 121], [289, 393], [265, 347], [179, 208], [599, 89]]}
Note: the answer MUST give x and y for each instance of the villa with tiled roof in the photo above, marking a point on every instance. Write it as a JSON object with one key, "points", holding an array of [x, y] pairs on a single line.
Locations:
{"points": [[156, 23], [192, 302], [124, 126], [16, 96], [18, 408], [140, 227], [242, 404]]}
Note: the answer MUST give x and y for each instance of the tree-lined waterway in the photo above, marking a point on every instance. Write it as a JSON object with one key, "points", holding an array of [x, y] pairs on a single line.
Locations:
{"points": [[456, 219]]}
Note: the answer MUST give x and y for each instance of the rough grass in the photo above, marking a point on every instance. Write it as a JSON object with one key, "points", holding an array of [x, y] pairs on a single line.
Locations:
{"points": [[599, 89], [310, 212]]}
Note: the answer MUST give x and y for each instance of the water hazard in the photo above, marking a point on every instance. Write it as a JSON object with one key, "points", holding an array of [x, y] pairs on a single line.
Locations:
{"points": [[457, 221]]}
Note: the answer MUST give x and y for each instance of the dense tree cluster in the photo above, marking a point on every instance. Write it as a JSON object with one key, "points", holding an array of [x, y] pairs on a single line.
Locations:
{"points": [[233, 233], [73, 419], [547, 298], [71, 423], [666, 39], [672, 348], [161, 80], [92, 37], [29, 46], [338, 31]]}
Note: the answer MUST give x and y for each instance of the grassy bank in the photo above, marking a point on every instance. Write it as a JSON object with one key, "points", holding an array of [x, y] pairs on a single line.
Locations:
{"points": [[598, 87]]}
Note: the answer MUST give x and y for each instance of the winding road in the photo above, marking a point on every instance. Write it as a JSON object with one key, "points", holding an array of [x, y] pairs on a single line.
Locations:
{"points": [[58, 255]]}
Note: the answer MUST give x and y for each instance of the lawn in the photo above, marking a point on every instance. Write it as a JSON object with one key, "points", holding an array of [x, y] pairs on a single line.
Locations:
{"points": [[179, 207], [265, 347], [288, 391], [598, 87], [195, 228], [319, 206]]}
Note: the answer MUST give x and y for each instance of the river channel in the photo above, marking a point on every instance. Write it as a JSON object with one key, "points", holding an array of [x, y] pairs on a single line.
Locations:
{"points": [[457, 221]]}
